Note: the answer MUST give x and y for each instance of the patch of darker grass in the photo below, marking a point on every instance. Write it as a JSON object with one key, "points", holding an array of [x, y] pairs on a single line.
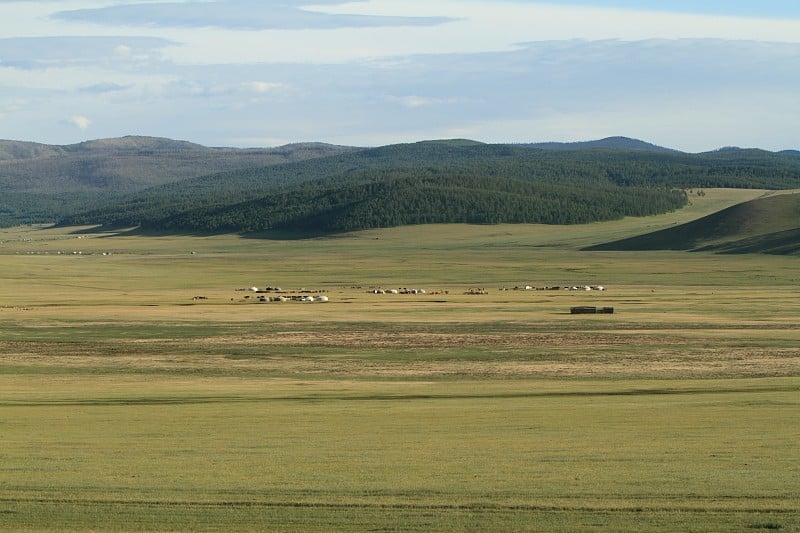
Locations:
{"points": [[81, 332], [767, 525]]}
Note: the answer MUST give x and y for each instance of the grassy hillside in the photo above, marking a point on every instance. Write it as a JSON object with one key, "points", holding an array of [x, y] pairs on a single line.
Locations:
{"points": [[766, 225]]}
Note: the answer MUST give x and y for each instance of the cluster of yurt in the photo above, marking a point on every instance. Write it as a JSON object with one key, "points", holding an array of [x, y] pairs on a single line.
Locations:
{"points": [[404, 290]]}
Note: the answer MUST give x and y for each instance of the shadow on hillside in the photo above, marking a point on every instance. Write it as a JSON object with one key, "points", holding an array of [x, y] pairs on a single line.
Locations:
{"points": [[778, 243], [273, 235], [103, 231], [769, 225], [285, 235]]}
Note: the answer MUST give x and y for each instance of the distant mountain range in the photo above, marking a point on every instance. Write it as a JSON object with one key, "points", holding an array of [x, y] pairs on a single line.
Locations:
{"points": [[167, 185], [129, 164], [134, 163]]}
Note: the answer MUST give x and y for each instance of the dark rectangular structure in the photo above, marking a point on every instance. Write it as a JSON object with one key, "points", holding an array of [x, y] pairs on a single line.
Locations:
{"points": [[590, 310]]}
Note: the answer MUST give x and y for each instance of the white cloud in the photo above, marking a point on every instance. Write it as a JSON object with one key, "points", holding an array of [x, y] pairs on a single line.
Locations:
{"points": [[80, 122], [481, 26], [413, 101], [29, 53], [234, 14], [500, 23], [123, 50], [105, 88], [262, 87], [417, 101], [501, 71], [18, 104], [60, 81]]}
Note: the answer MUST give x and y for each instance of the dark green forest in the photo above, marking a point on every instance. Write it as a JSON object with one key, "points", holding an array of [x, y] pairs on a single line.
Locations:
{"points": [[425, 182], [426, 197]]}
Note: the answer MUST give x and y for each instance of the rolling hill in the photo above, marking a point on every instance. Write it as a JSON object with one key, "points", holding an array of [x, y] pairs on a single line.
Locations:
{"points": [[44, 183], [132, 163], [405, 198], [165, 185], [766, 225], [609, 143], [572, 180]]}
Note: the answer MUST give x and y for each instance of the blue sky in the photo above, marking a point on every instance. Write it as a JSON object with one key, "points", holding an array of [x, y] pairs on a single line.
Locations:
{"points": [[689, 75], [748, 8]]}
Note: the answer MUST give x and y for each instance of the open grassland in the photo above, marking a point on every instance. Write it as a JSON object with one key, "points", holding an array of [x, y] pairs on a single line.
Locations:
{"points": [[125, 404]]}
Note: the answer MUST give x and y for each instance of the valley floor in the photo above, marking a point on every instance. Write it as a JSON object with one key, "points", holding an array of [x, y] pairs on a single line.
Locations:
{"points": [[127, 403]]}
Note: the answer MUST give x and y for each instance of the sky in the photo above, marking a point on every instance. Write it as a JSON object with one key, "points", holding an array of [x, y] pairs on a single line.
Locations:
{"points": [[694, 75]]}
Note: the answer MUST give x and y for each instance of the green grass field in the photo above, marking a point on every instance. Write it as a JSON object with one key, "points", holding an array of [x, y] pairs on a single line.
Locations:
{"points": [[127, 405]]}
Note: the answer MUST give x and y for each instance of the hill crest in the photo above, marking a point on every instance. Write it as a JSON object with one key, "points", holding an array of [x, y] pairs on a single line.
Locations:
{"points": [[133, 143], [608, 143], [133, 163], [765, 225]]}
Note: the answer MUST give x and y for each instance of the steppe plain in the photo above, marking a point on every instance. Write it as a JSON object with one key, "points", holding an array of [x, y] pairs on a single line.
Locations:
{"points": [[128, 403]]}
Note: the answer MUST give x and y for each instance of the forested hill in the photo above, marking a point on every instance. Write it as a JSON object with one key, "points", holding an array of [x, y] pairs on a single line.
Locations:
{"points": [[612, 143], [45, 183], [444, 181], [403, 198], [129, 164]]}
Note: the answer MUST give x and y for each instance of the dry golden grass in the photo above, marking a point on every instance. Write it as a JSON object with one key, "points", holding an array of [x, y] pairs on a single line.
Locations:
{"points": [[127, 405]]}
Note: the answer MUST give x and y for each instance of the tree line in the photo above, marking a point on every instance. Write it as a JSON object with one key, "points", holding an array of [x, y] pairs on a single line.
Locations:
{"points": [[440, 182]]}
